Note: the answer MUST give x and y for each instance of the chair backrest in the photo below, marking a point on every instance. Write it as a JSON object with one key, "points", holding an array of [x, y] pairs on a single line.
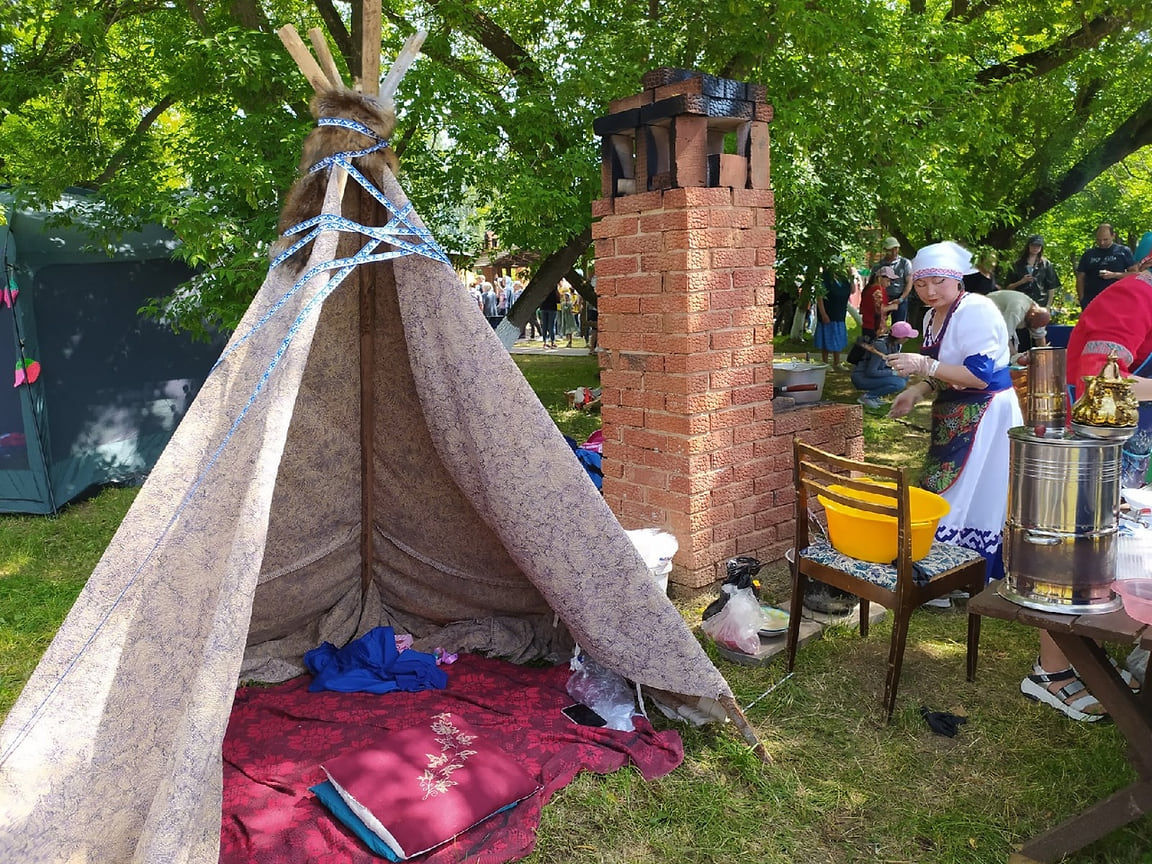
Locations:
{"points": [[814, 471]]}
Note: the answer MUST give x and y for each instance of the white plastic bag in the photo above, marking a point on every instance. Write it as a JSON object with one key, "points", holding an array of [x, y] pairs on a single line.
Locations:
{"points": [[737, 625]]}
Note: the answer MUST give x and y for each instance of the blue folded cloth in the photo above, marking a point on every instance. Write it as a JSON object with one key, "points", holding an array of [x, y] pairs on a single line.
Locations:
{"points": [[372, 664]]}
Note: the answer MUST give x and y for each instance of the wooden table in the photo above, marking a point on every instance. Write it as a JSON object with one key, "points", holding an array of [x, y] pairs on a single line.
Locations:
{"points": [[1079, 637]]}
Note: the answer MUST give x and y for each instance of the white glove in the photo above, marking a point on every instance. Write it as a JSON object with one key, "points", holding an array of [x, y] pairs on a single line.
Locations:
{"points": [[913, 364]]}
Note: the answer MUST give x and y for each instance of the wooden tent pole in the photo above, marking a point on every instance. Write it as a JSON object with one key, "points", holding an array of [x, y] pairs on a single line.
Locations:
{"points": [[741, 722], [370, 35], [367, 410], [320, 46], [324, 76], [303, 58], [370, 85]]}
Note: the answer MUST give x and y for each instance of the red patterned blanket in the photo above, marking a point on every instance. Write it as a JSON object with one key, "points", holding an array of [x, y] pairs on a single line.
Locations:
{"points": [[278, 736]]}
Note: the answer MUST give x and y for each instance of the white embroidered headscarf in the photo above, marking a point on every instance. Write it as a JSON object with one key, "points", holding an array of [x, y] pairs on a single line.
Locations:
{"points": [[942, 259]]}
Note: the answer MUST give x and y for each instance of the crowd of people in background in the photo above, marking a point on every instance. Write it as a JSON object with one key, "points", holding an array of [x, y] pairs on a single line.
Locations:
{"points": [[1023, 292], [561, 315], [876, 295]]}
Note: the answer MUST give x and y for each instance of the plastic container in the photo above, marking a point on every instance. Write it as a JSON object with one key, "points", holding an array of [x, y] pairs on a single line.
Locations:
{"points": [[1137, 597], [656, 547], [872, 536]]}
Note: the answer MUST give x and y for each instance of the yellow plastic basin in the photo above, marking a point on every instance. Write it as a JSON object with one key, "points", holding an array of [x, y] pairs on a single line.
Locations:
{"points": [[872, 536]]}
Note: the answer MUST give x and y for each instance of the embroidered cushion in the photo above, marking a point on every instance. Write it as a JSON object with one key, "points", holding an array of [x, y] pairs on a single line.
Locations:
{"points": [[940, 559], [423, 786]]}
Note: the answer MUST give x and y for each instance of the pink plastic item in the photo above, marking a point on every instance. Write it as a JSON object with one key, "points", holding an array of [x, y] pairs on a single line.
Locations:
{"points": [[595, 442], [1137, 596]]}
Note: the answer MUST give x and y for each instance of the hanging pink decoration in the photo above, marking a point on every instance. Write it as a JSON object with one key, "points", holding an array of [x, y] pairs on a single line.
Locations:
{"points": [[27, 371], [8, 294]]}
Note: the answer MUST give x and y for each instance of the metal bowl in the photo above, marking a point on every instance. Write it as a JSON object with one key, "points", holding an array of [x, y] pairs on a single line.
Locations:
{"points": [[1105, 433]]}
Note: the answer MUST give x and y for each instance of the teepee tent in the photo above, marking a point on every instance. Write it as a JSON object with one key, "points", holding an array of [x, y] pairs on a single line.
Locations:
{"points": [[344, 466], [98, 388]]}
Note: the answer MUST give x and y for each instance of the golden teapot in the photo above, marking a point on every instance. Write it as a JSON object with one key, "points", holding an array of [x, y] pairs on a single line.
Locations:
{"points": [[1107, 399]]}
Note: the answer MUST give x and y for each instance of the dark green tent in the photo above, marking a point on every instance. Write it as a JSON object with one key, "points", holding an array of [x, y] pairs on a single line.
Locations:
{"points": [[110, 386]]}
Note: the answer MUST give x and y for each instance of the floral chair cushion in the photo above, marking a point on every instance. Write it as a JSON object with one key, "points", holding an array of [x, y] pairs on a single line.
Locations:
{"points": [[941, 558]]}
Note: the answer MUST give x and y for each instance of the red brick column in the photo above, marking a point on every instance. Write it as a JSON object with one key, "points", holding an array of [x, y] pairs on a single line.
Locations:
{"points": [[685, 280], [685, 284]]}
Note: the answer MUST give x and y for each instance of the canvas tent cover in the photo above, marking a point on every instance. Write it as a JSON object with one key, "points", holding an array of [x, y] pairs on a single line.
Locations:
{"points": [[242, 551]]}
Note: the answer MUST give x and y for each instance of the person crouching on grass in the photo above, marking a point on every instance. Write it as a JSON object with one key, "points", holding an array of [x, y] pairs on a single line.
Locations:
{"points": [[872, 375]]}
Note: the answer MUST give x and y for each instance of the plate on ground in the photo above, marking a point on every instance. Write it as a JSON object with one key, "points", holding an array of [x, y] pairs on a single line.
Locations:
{"points": [[775, 621]]}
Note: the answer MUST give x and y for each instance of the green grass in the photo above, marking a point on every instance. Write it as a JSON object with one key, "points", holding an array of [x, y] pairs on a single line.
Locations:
{"points": [[844, 788], [44, 562], [552, 376]]}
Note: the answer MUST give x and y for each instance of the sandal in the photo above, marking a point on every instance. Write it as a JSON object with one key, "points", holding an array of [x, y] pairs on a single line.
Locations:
{"points": [[1071, 700], [1127, 677]]}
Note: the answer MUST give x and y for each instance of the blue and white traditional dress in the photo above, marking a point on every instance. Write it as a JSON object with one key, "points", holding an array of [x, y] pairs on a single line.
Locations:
{"points": [[968, 454]]}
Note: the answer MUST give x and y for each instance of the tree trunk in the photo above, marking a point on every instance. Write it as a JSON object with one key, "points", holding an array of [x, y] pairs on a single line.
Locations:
{"points": [[547, 277], [1130, 136]]}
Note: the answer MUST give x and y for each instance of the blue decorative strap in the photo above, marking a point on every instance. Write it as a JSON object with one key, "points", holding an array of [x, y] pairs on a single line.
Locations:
{"points": [[354, 125]]}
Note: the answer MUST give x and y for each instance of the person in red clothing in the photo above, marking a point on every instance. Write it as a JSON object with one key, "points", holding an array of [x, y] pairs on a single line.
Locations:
{"points": [[1122, 322], [874, 305]]}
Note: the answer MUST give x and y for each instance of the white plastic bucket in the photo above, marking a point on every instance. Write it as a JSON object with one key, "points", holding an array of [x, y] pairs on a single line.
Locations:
{"points": [[656, 547]]}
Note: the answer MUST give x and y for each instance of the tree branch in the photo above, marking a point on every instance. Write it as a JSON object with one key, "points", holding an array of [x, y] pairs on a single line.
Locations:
{"points": [[249, 14], [961, 11], [582, 286], [336, 29], [1131, 135], [197, 15], [133, 140], [1044, 60], [398, 147], [498, 43]]}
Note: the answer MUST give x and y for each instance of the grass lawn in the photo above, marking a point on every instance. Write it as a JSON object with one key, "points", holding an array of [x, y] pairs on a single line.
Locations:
{"points": [[844, 787]]}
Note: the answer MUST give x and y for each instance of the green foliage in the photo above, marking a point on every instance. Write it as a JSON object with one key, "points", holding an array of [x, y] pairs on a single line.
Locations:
{"points": [[922, 120]]}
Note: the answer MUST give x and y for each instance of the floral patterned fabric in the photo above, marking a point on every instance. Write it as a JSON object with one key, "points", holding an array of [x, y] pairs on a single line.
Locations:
{"points": [[954, 424], [242, 551], [941, 558]]}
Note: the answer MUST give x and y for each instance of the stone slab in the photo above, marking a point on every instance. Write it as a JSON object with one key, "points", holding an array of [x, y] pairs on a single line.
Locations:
{"points": [[876, 613], [772, 647]]}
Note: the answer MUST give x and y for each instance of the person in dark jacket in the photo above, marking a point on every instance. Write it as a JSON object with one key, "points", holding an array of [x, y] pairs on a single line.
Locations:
{"points": [[872, 375], [1033, 274]]}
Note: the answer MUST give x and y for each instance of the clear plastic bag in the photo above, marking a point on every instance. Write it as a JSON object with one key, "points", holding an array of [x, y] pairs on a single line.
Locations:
{"points": [[604, 691], [737, 625]]}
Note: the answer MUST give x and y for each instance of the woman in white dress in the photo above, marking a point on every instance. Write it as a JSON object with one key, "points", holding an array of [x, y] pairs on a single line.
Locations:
{"points": [[964, 363]]}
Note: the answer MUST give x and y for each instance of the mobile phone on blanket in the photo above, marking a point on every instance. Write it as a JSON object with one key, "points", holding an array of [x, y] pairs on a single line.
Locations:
{"points": [[583, 715]]}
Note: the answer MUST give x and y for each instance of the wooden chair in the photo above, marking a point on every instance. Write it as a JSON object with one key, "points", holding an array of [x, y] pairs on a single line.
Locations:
{"points": [[902, 586]]}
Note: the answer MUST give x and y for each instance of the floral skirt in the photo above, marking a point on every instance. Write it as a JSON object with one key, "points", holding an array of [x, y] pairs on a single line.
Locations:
{"points": [[978, 495]]}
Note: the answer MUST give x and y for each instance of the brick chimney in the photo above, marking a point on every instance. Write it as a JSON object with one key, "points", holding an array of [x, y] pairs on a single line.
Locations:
{"points": [[685, 254]]}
